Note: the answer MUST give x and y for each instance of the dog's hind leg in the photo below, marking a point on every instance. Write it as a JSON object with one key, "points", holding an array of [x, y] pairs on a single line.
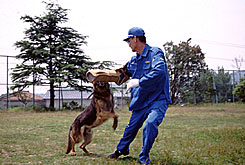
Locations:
{"points": [[88, 135], [73, 153], [71, 142], [75, 137]]}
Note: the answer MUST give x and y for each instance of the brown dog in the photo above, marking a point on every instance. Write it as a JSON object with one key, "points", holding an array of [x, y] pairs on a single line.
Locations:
{"points": [[100, 109]]}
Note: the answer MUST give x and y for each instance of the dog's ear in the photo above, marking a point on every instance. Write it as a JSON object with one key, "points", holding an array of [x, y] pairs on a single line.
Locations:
{"points": [[94, 85]]}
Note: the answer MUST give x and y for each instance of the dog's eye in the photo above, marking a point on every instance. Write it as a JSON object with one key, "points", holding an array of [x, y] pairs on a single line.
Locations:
{"points": [[100, 83]]}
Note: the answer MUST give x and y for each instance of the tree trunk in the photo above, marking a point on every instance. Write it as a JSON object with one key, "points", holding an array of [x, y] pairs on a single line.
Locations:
{"points": [[51, 105]]}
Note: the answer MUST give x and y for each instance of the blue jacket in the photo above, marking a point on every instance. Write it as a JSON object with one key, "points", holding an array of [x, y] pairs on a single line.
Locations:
{"points": [[151, 69]]}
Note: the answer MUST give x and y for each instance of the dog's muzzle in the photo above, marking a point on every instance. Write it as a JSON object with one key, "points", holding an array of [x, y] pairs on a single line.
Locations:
{"points": [[100, 83]]}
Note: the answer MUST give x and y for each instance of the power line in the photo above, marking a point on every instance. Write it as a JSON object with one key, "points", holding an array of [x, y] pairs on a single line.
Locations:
{"points": [[225, 59], [7, 56], [222, 43], [219, 58]]}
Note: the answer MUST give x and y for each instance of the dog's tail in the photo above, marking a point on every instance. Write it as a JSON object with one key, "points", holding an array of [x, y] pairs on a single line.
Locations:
{"points": [[69, 142]]}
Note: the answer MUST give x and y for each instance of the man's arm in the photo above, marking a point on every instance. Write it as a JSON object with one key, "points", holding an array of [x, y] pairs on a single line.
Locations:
{"points": [[124, 74]]}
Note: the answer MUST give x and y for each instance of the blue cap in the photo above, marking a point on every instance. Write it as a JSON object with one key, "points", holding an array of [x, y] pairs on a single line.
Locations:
{"points": [[135, 31]]}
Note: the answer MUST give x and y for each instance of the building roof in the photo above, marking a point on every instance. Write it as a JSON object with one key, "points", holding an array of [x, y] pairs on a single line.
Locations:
{"points": [[68, 94], [28, 95], [73, 94]]}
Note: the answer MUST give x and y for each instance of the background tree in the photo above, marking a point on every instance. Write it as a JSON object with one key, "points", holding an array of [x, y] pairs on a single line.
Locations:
{"points": [[240, 90], [204, 91], [23, 97], [52, 53], [185, 64], [223, 85]]}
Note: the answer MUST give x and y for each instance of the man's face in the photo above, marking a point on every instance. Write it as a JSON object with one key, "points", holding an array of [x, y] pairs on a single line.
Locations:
{"points": [[132, 43]]}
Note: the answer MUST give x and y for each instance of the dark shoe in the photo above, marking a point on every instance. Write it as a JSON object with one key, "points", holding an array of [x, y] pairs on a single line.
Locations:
{"points": [[114, 155]]}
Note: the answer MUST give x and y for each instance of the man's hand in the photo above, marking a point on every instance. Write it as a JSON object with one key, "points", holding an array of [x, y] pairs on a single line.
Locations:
{"points": [[132, 84]]}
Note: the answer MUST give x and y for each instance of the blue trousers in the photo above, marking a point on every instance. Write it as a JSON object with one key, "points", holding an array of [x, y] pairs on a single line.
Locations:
{"points": [[153, 117]]}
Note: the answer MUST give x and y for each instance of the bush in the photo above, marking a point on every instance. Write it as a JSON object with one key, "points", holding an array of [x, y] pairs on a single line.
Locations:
{"points": [[240, 90], [72, 106]]}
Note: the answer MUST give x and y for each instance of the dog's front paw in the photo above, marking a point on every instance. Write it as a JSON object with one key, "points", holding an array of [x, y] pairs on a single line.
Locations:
{"points": [[85, 150], [114, 126]]}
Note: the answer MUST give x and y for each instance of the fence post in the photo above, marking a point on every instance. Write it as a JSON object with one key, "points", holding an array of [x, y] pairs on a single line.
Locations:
{"points": [[33, 92], [214, 87], [233, 86], [7, 82], [33, 97], [59, 94], [81, 94], [194, 94]]}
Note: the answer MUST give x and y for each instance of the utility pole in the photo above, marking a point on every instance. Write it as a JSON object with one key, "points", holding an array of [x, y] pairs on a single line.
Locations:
{"points": [[33, 92], [214, 87], [7, 82], [233, 86]]}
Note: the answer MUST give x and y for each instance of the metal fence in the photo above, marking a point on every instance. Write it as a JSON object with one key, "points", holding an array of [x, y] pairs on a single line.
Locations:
{"points": [[229, 81], [38, 95], [9, 62]]}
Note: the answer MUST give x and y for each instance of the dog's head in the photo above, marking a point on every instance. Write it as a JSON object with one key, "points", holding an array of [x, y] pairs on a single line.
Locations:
{"points": [[101, 87]]}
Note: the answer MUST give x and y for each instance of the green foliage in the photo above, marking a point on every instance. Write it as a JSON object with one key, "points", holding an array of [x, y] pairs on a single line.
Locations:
{"points": [[30, 109], [53, 51], [22, 97], [51, 54], [223, 85], [72, 106], [240, 90], [20, 109], [204, 91], [186, 64], [105, 65]]}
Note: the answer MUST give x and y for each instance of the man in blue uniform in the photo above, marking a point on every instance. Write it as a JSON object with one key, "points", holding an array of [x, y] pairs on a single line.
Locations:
{"points": [[149, 85]]}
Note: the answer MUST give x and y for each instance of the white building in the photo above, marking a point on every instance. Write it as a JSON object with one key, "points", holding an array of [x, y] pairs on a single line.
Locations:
{"points": [[66, 96]]}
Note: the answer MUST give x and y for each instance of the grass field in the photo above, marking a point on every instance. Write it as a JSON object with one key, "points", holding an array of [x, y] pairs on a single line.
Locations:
{"points": [[208, 134]]}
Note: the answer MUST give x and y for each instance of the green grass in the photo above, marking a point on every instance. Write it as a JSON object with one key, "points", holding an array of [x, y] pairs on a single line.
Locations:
{"points": [[208, 134]]}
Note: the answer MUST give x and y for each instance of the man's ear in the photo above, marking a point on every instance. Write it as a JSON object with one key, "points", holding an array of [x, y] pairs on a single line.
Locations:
{"points": [[135, 39]]}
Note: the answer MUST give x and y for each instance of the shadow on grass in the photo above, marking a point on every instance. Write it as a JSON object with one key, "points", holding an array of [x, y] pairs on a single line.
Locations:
{"points": [[131, 160], [127, 158], [92, 155]]}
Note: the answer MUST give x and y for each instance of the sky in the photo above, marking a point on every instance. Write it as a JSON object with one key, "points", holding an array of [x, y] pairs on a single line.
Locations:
{"points": [[217, 26]]}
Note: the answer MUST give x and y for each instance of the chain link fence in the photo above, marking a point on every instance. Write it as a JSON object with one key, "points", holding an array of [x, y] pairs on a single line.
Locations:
{"points": [[223, 83]]}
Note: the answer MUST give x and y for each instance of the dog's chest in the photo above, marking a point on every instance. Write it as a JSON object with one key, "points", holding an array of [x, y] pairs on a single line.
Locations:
{"points": [[100, 119], [105, 105], [104, 111]]}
